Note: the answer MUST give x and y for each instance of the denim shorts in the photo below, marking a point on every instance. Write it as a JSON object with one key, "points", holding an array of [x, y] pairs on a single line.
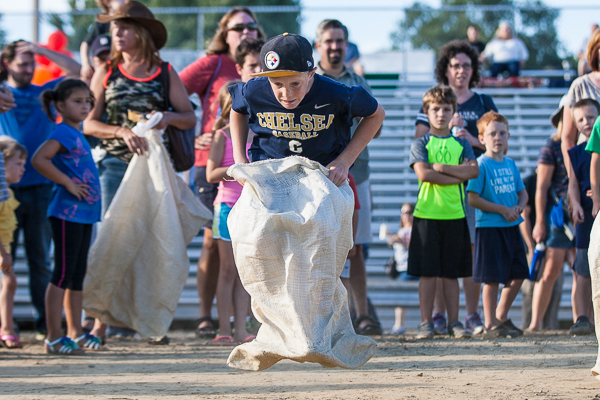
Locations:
{"points": [[219, 222], [556, 237], [205, 191]]}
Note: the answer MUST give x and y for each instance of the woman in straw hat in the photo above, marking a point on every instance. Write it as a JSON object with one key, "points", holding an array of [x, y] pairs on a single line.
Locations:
{"points": [[128, 88]]}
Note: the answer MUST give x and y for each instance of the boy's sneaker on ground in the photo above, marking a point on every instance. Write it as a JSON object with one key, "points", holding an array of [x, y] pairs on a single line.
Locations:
{"points": [[501, 331], [474, 324], [425, 331], [439, 324], [508, 324], [581, 327], [457, 330], [397, 330]]}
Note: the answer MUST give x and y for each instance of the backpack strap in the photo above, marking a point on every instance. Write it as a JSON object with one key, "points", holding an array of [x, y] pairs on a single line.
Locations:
{"points": [[164, 76]]}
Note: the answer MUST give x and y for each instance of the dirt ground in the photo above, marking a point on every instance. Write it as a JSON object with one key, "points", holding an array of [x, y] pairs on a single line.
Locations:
{"points": [[549, 366]]}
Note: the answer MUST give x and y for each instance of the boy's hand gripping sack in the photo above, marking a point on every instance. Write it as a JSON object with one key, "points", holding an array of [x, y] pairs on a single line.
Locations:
{"points": [[291, 231], [138, 263]]}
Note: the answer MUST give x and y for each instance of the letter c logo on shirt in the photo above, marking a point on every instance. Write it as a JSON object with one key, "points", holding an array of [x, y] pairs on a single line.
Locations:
{"points": [[295, 146]]}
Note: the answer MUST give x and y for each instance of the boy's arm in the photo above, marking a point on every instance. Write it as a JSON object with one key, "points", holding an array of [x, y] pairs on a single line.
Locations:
{"points": [[509, 213], [594, 175], [366, 130], [574, 197], [426, 174], [526, 228], [465, 171], [239, 136]]}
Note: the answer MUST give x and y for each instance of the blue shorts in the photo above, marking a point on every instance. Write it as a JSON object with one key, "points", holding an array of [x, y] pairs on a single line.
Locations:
{"points": [[499, 255], [219, 225], [581, 264]]}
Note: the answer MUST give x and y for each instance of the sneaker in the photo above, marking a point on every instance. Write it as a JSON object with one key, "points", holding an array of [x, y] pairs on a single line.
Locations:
{"points": [[439, 324], [458, 331], [474, 324], [501, 331], [512, 328], [581, 327], [40, 336], [397, 330], [425, 331]]}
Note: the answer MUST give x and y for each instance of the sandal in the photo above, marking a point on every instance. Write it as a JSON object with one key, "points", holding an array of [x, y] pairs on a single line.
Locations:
{"points": [[16, 344], [370, 329], [224, 340], [207, 331], [248, 339], [90, 342], [68, 347], [159, 341]]}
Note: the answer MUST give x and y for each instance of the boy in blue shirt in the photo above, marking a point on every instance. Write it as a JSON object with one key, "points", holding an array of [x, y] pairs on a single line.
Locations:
{"points": [[585, 113], [295, 112], [499, 196]]}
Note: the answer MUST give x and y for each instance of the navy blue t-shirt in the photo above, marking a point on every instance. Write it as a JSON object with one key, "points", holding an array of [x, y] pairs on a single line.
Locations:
{"points": [[318, 129], [581, 161]]}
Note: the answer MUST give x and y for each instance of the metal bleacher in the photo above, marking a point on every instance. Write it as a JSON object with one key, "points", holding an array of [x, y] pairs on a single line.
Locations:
{"points": [[393, 183]]}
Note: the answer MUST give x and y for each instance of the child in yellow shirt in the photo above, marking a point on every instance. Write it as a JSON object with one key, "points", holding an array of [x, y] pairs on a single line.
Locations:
{"points": [[14, 161]]}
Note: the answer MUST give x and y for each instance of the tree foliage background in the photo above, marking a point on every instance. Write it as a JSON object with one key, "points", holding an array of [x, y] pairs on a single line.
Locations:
{"points": [[424, 27], [2, 35], [182, 28]]}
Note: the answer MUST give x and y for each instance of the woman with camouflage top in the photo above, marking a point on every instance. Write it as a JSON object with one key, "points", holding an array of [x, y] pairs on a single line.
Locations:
{"points": [[128, 88]]}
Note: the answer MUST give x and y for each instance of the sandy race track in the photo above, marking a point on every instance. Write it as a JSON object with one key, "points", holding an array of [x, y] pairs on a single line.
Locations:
{"points": [[549, 366]]}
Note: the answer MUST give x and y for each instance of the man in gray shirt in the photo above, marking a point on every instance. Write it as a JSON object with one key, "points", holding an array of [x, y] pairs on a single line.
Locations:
{"points": [[331, 43]]}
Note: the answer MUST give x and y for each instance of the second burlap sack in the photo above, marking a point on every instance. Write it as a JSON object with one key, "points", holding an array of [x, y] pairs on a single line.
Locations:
{"points": [[594, 260], [291, 231], [138, 264]]}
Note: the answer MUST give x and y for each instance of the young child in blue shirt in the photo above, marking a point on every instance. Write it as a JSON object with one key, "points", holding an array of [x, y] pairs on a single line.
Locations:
{"points": [[66, 159], [585, 113], [499, 196]]}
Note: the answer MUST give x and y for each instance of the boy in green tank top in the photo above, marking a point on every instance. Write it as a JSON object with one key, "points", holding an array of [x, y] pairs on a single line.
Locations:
{"points": [[440, 245]]}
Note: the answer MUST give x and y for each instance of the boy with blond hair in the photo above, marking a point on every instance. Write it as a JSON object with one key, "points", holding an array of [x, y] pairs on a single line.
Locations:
{"points": [[499, 196], [440, 246], [585, 113]]}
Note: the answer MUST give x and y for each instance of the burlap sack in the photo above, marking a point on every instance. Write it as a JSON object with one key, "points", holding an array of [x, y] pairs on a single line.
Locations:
{"points": [[291, 231], [594, 260], [137, 266]]}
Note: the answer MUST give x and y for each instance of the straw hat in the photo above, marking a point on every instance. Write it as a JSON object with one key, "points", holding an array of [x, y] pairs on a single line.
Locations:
{"points": [[138, 12], [556, 116]]}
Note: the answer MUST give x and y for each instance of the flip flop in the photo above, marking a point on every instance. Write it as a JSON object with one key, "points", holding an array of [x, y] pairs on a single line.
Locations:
{"points": [[13, 338], [248, 339], [224, 340], [88, 341], [68, 347], [208, 331]]}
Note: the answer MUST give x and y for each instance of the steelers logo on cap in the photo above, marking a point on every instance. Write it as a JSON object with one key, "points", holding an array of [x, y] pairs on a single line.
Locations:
{"points": [[272, 60]]}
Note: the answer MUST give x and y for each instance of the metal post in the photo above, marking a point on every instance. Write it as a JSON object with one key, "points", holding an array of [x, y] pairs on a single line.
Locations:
{"points": [[36, 21], [200, 33]]}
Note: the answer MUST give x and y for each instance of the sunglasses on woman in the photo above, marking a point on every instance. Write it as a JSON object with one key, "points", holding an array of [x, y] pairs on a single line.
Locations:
{"points": [[251, 26]]}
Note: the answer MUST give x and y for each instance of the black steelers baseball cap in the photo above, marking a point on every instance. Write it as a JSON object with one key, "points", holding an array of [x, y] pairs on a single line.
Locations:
{"points": [[285, 55]]}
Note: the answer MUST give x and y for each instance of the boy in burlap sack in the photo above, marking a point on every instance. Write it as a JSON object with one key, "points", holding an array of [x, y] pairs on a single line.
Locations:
{"points": [[295, 287]]}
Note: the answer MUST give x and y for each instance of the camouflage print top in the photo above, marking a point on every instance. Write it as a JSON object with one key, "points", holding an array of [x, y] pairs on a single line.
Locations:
{"points": [[127, 100]]}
